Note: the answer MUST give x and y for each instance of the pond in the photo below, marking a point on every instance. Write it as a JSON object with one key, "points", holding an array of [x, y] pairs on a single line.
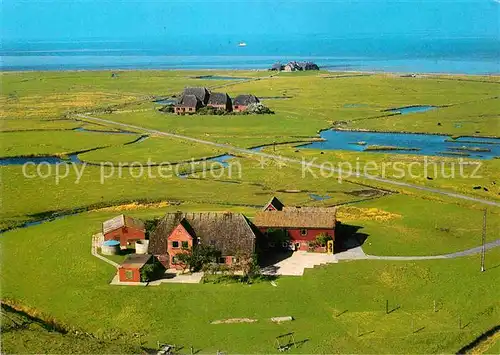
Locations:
{"points": [[169, 101], [411, 109], [408, 143], [317, 197], [73, 158]]}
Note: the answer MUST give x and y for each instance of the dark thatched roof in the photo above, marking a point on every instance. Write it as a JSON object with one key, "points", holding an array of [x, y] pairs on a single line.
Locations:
{"points": [[201, 93], [275, 203], [189, 101], [219, 98], [295, 219], [230, 233], [245, 100], [122, 221]]}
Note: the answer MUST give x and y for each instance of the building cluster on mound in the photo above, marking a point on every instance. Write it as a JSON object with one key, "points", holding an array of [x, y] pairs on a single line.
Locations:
{"points": [[230, 238], [200, 100], [294, 66]]}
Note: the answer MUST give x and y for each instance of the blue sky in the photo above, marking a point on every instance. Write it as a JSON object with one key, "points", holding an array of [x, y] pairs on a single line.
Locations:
{"points": [[71, 20]]}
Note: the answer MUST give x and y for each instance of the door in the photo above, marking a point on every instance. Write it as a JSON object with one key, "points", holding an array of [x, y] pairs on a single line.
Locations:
{"points": [[329, 247]]}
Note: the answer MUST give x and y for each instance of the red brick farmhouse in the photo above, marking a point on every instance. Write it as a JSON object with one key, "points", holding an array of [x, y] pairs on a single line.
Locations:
{"points": [[220, 101], [124, 229], [241, 102], [303, 225], [230, 233]]}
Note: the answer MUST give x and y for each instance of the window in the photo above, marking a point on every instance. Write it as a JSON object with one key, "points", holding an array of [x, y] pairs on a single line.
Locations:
{"points": [[222, 260], [129, 274], [234, 260], [185, 245], [175, 244], [303, 232]]}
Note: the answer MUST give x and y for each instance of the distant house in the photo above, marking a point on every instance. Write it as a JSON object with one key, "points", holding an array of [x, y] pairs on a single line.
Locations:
{"points": [[241, 102], [292, 66], [230, 233], [300, 66], [187, 104], [124, 229], [273, 205], [302, 224], [277, 67], [308, 66], [221, 101], [130, 269]]}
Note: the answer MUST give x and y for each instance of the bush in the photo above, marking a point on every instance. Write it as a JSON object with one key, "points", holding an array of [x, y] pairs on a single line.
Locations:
{"points": [[322, 239], [258, 109], [150, 272], [167, 108], [209, 110], [200, 256]]}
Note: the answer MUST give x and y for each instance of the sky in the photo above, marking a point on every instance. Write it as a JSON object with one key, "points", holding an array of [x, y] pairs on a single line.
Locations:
{"points": [[73, 20]]}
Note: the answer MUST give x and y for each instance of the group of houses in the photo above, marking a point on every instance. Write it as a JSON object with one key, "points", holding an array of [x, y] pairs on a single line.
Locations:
{"points": [[294, 66], [233, 235], [194, 98]]}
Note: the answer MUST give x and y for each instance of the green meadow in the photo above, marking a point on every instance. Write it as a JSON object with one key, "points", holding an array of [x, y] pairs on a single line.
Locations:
{"points": [[339, 308]]}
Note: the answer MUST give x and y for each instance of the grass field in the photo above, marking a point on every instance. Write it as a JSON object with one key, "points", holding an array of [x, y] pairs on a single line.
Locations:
{"points": [[338, 308], [75, 291]]}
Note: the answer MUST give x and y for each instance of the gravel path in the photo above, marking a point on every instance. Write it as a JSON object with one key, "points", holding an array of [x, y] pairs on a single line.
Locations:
{"points": [[305, 164]]}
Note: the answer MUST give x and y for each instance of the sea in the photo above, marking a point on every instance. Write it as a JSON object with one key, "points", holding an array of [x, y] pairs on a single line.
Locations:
{"points": [[393, 54]]}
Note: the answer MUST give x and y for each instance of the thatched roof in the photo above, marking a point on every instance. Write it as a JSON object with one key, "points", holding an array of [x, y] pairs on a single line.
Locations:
{"points": [[219, 98], [122, 221], [295, 219], [245, 100], [230, 233], [189, 101], [275, 203], [310, 209], [201, 93]]}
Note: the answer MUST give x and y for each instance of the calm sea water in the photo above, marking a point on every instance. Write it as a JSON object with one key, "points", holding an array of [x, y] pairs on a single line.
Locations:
{"points": [[473, 56]]}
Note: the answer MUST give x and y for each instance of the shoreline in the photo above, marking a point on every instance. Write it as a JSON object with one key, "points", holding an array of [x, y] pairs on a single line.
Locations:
{"points": [[418, 74]]}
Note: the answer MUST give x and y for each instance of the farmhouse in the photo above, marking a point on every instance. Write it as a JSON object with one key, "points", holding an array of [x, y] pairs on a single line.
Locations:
{"points": [[230, 233], [241, 102], [123, 229], [187, 104], [302, 225], [220, 100], [130, 269], [296, 66]]}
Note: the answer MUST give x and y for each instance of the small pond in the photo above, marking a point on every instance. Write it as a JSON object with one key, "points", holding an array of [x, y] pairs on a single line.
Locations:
{"points": [[409, 143], [73, 158], [170, 101], [319, 197], [411, 109]]}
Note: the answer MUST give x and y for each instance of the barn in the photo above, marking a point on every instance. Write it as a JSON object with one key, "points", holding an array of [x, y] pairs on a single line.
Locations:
{"points": [[229, 233], [125, 229], [130, 269]]}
